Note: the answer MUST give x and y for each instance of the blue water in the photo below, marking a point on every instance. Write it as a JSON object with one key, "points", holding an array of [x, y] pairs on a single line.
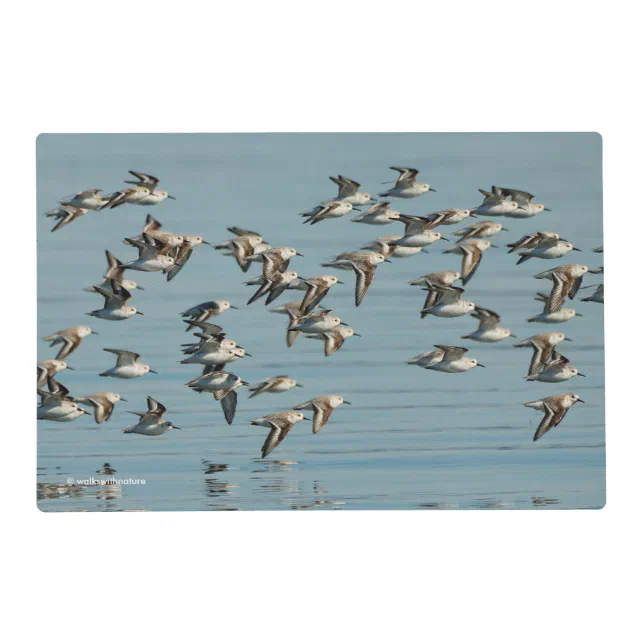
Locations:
{"points": [[412, 438]]}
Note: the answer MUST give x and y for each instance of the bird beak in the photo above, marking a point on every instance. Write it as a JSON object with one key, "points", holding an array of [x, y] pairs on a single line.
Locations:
{"points": [[478, 364], [581, 401], [153, 371], [432, 190], [339, 282], [493, 246], [305, 418], [513, 336], [139, 313], [139, 288], [568, 339], [445, 239], [72, 368], [548, 209], [581, 374], [578, 315], [175, 427], [94, 333], [234, 307], [579, 249], [174, 199], [297, 384], [389, 261], [299, 254], [248, 355], [203, 241], [123, 400], [506, 230], [343, 324], [346, 402], [357, 335]]}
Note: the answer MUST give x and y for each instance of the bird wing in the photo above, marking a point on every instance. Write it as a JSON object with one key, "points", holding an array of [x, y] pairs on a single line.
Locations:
{"points": [[320, 417], [145, 179], [70, 344], [546, 423], [124, 358], [332, 342], [487, 319], [229, 405], [560, 287], [471, 261], [364, 277]]}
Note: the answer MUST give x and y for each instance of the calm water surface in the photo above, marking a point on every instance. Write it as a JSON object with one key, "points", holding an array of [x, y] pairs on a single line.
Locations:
{"points": [[412, 438]]}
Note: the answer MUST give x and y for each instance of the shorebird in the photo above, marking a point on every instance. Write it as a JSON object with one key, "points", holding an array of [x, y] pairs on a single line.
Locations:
{"points": [[383, 245], [445, 302], [214, 353], [48, 368], [322, 408], [274, 385], [480, 230], [222, 385], [316, 322], [566, 280], [156, 196], [525, 207], [115, 270], [495, 204], [152, 257], [126, 365], [205, 311], [244, 245], [557, 316], [150, 422], [102, 403], [327, 210], [363, 264], [533, 240], [65, 214], [380, 214], [114, 307], [277, 260], [57, 405], [418, 233], [88, 200], [70, 338], [472, 251], [453, 360], [543, 345], [547, 249], [406, 186], [557, 369], [210, 341], [448, 217], [348, 191], [317, 288], [597, 296], [273, 287], [442, 278], [127, 195], [280, 425], [489, 329], [334, 338], [554, 408]]}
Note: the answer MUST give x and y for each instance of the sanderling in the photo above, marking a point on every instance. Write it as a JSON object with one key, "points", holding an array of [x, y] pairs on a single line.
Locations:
{"points": [[280, 425], [322, 408], [102, 403], [452, 360], [115, 270], [334, 338], [557, 369], [489, 329], [383, 246], [296, 317], [348, 191], [213, 354], [316, 322], [525, 207], [222, 385], [57, 405], [126, 365], [543, 345], [127, 195], [445, 302], [114, 306], [277, 260], [65, 214], [208, 341], [480, 230], [557, 316], [274, 385], [363, 264], [182, 254], [448, 217], [566, 280], [88, 199], [327, 210], [317, 288], [70, 338], [156, 196], [273, 286], [150, 422], [151, 256], [494, 204], [547, 249], [418, 233], [442, 278], [380, 214], [597, 296], [243, 246], [406, 186], [205, 311], [533, 240], [152, 228], [48, 368], [555, 408], [472, 251]]}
